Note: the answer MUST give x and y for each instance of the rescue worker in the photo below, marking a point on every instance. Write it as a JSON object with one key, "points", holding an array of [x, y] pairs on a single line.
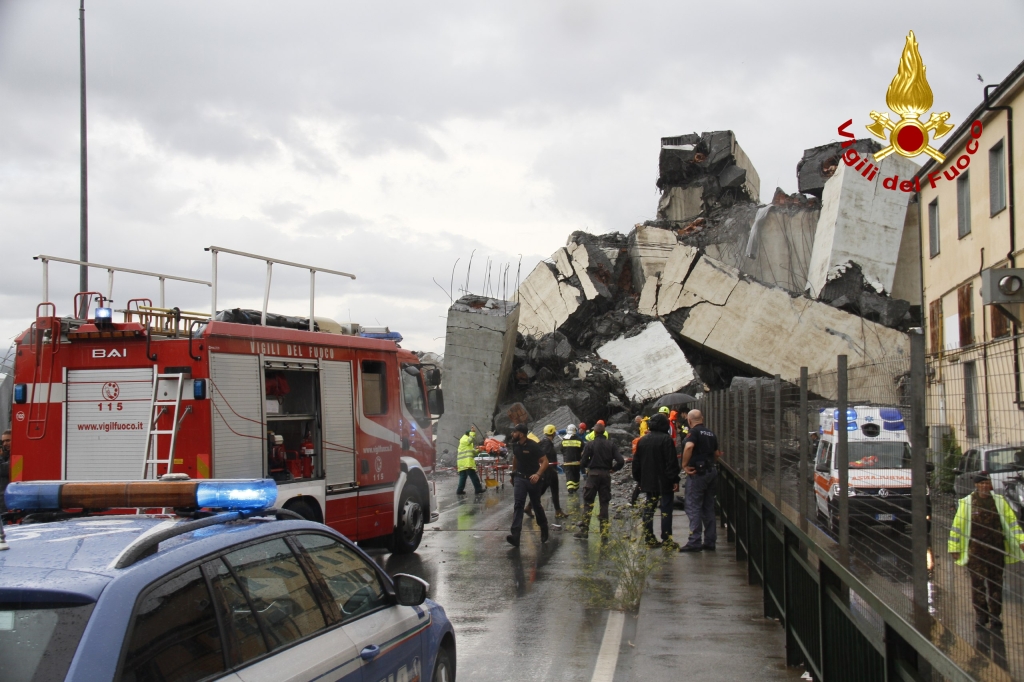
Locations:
{"points": [[985, 537], [467, 463], [582, 433], [656, 470], [643, 423], [571, 449], [664, 409], [700, 451], [528, 466], [550, 479], [594, 432], [5, 465], [600, 458]]}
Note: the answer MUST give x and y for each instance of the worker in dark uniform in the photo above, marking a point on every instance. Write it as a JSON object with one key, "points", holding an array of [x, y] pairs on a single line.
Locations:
{"points": [[550, 479], [700, 451], [528, 465], [572, 448], [986, 527], [656, 470], [600, 458]]}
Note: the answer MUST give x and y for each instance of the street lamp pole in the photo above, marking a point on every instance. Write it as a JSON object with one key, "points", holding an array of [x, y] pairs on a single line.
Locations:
{"points": [[83, 237]]}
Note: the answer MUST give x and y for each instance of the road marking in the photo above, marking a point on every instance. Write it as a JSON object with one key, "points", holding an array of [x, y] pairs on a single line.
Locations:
{"points": [[608, 656]]}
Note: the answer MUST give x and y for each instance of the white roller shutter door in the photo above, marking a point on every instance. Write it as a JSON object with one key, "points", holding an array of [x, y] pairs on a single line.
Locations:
{"points": [[107, 410], [238, 441], [339, 442]]}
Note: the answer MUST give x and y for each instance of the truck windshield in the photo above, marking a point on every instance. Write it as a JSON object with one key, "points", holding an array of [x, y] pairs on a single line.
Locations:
{"points": [[412, 393], [38, 644], [1007, 459], [879, 455]]}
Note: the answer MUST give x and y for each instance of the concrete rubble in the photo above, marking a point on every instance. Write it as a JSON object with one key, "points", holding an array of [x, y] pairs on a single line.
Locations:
{"points": [[717, 288]]}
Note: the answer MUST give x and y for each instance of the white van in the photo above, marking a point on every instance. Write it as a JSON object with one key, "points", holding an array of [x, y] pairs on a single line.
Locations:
{"points": [[878, 449]]}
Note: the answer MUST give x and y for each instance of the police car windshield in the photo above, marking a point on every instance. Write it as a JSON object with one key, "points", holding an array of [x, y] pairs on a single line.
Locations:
{"points": [[1007, 459], [38, 643], [879, 455]]}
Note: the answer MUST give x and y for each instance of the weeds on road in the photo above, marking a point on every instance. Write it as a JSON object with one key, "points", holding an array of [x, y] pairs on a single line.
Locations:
{"points": [[614, 577]]}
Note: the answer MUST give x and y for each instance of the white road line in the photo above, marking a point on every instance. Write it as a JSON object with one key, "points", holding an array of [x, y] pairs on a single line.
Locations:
{"points": [[608, 656]]}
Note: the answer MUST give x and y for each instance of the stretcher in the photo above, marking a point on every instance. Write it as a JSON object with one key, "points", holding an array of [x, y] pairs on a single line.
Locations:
{"points": [[491, 471]]}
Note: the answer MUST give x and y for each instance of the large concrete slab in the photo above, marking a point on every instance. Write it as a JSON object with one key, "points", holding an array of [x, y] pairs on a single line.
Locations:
{"points": [[862, 222], [649, 249], [671, 295], [478, 350], [651, 363], [547, 302], [769, 330]]}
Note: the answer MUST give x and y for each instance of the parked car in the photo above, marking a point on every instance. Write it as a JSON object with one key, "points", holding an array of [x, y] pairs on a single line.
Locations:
{"points": [[240, 594]]}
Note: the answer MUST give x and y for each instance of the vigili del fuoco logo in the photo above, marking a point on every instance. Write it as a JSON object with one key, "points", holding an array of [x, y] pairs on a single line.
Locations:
{"points": [[909, 96]]}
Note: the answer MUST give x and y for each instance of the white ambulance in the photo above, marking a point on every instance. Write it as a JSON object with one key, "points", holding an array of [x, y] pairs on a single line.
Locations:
{"points": [[878, 451]]}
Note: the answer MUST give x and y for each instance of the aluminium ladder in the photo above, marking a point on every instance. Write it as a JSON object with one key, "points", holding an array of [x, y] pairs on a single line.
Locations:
{"points": [[160, 406]]}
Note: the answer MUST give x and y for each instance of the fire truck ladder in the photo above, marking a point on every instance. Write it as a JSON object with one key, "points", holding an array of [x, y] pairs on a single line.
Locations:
{"points": [[158, 408], [46, 337]]}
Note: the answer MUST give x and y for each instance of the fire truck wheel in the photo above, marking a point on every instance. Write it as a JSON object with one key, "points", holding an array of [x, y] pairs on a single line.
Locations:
{"points": [[410, 522], [304, 509]]}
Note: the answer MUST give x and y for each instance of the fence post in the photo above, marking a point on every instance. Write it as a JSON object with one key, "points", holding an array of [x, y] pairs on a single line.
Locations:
{"points": [[746, 434], [758, 436], [843, 457], [778, 440], [919, 471], [805, 445]]}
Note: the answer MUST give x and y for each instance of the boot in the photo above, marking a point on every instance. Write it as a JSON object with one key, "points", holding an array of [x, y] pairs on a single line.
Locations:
{"points": [[669, 544], [513, 539], [559, 514]]}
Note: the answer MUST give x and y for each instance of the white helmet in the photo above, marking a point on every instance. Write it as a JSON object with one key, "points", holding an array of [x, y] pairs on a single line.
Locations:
{"points": [[570, 430]]}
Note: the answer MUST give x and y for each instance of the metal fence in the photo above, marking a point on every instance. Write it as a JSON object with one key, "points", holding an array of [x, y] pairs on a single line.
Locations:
{"points": [[853, 558]]}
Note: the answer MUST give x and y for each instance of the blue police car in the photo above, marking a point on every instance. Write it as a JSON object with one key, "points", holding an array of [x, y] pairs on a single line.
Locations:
{"points": [[241, 593]]}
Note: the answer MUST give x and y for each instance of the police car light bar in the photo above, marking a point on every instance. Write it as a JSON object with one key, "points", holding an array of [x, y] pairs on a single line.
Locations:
{"points": [[237, 495]]}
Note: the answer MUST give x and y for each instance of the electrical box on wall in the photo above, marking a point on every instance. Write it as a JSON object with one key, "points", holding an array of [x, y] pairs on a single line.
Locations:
{"points": [[1004, 287]]}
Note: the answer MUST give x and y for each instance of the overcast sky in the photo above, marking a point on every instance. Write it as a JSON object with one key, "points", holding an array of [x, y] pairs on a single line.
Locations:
{"points": [[390, 139]]}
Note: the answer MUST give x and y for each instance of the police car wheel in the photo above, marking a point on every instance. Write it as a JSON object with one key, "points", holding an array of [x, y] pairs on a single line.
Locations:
{"points": [[443, 668], [409, 530]]}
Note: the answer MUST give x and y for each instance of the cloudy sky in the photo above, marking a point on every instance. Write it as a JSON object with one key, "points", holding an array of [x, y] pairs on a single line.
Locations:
{"points": [[392, 139]]}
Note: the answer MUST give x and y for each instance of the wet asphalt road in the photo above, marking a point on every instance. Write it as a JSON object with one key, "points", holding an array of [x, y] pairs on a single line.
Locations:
{"points": [[515, 612]]}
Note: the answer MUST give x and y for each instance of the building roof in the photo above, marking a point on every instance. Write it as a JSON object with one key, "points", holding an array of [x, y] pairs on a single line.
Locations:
{"points": [[1007, 85]]}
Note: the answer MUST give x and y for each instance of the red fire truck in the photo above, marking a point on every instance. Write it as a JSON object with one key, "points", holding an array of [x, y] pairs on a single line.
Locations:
{"points": [[340, 421]]}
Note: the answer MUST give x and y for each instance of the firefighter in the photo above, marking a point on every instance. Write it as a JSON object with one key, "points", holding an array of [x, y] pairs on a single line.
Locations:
{"points": [[985, 537], [582, 433], [467, 463], [600, 458], [656, 471], [550, 479], [571, 449], [644, 424], [665, 410]]}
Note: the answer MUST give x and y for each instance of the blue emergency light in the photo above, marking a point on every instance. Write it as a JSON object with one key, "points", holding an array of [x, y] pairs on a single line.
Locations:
{"points": [[20, 393], [235, 495]]}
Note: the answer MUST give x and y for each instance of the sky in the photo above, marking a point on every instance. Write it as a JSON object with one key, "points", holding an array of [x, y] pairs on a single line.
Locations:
{"points": [[398, 141]]}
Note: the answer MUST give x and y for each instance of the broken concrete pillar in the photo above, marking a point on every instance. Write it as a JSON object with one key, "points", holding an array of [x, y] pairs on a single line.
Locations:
{"points": [[703, 171], [671, 295], [651, 362], [546, 301], [478, 351], [591, 266], [821, 163], [680, 203], [649, 249], [769, 330], [906, 283], [861, 222]]}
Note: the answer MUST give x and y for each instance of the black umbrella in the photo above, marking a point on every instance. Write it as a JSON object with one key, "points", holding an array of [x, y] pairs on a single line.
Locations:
{"points": [[674, 399]]}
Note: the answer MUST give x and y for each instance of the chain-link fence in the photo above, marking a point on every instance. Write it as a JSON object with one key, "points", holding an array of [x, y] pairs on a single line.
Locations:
{"points": [[836, 450]]}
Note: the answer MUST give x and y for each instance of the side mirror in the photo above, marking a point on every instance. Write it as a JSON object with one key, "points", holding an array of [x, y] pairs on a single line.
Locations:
{"points": [[433, 377], [411, 591], [436, 400]]}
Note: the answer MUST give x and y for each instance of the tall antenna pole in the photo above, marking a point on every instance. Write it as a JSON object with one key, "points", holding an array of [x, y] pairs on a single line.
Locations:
{"points": [[83, 237]]}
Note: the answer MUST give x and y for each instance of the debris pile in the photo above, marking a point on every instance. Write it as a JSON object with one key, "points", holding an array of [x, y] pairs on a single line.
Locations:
{"points": [[717, 287]]}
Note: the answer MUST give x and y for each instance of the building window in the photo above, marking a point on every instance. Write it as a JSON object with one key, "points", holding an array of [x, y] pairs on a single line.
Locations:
{"points": [[965, 311], [963, 205], [1000, 323], [996, 179], [935, 325], [933, 227], [971, 399]]}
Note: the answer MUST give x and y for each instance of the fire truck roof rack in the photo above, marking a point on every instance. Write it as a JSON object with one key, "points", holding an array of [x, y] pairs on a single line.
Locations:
{"points": [[214, 250], [110, 275]]}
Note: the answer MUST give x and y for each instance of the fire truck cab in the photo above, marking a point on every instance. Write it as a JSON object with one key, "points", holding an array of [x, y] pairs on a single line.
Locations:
{"points": [[341, 422]]}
